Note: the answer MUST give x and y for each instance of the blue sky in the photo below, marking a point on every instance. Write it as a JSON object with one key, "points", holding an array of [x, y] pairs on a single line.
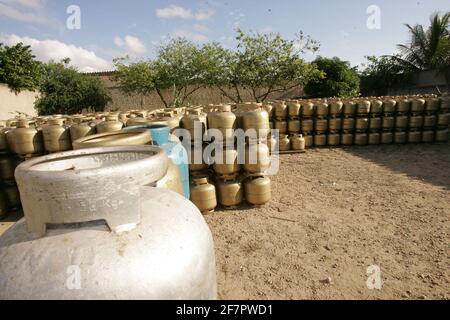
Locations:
{"points": [[111, 29]]}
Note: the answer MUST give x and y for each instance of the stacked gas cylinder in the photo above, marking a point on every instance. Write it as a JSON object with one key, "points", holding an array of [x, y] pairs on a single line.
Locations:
{"points": [[360, 121], [220, 167]]}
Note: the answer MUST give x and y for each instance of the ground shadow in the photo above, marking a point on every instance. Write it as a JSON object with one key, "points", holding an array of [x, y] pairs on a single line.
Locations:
{"points": [[426, 162]]}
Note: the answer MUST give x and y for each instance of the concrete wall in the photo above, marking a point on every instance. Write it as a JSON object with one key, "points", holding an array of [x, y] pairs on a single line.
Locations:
{"points": [[429, 81], [10, 103]]}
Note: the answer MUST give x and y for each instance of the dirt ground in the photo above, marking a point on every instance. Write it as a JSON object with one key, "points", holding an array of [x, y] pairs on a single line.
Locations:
{"points": [[334, 213]]}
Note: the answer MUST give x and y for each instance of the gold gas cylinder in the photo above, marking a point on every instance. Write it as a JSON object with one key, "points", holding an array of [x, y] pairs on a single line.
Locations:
{"points": [[336, 108], [257, 120], [56, 136], [133, 121], [418, 105], [7, 167], [415, 122], [321, 109], [230, 194], [389, 106], [428, 136], [298, 142], [258, 191], [257, 158], [429, 121], [361, 139], [81, 130], [196, 158], [404, 106], [445, 103], [307, 109], [363, 107], [123, 117], [12, 195], [414, 136], [362, 124], [294, 126], [203, 195], [401, 122], [4, 207], [400, 137], [269, 108], [223, 120], [111, 124], [320, 140], [294, 109], [375, 124], [321, 125], [309, 141], [189, 121], [271, 142], [374, 138], [348, 124], [376, 107], [27, 141], [281, 126], [172, 180], [284, 143], [173, 121], [443, 120], [334, 139], [280, 110], [442, 135], [387, 137], [307, 125], [432, 105], [388, 123], [117, 138], [334, 124], [226, 162]]}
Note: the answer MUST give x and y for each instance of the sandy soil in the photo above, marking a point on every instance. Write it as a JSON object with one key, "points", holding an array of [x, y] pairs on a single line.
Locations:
{"points": [[334, 213]]}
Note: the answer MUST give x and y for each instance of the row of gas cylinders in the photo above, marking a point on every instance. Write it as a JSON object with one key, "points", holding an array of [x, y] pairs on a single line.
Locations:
{"points": [[360, 107], [364, 138]]}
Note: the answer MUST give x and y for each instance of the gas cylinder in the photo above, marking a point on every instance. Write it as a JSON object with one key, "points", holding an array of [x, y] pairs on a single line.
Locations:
{"points": [[348, 124], [117, 138], [307, 126], [12, 195], [376, 107], [4, 207], [429, 121], [257, 158], [401, 122], [321, 109], [400, 137], [362, 124], [111, 124], [196, 157], [307, 109], [442, 135], [194, 118], [334, 124], [271, 143], [418, 106], [361, 139], [203, 195], [258, 191], [280, 110], [321, 125], [347, 139], [414, 136], [428, 136], [298, 142], [226, 162], [81, 130], [388, 123], [3, 140], [363, 107], [309, 141], [320, 140], [225, 121], [387, 137], [269, 108], [389, 106], [375, 124], [374, 138], [432, 105], [294, 126], [281, 126], [27, 141], [56, 136], [173, 121], [7, 167], [404, 106], [284, 143], [257, 120], [443, 120], [139, 229], [415, 122], [336, 108], [294, 109], [334, 139], [445, 103], [230, 194]]}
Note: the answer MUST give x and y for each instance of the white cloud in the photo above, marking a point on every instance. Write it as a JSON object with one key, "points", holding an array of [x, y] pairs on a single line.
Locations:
{"points": [[16, 14], [266, 29], [201, 28], [131, 44], [174, 11], [35, 4], [45, 50], [183, 33]]}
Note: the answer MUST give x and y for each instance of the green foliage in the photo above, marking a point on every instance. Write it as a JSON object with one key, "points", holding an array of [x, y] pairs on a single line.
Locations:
{"points": [[341, 80], [383, 73], [18, 68], [65, 91]]}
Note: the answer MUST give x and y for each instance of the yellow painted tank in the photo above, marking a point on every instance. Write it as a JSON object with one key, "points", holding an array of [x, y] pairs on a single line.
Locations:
{"points": [[258, 191], [280, 110], [414, 136], [284, 143], [307, 109], [363, 107], [418, 105], [404, 106], [196, 158], [428, 136], [224, 120], [294, 126], [320, 140], [401, 122], [374, 138], [321, 125], [189, 120], [230, 194], [203, 195], [335, 124], [294, 109], [336, 108], [307, 126], [389, 106], [388, 123], [257, 120], [226, 162], [81, 130]]}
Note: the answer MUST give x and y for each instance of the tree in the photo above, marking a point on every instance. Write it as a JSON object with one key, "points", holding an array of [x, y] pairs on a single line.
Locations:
{"points": [[66, 91], [341, 80], [264, 64], [383, 73], [18, 68], [428, 49]]}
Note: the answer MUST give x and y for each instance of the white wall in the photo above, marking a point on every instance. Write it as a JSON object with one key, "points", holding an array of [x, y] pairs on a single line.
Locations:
{"points": [[10, 102]]}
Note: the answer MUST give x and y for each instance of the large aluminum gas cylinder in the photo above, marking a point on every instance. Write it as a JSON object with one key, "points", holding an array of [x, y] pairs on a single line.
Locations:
{"points": [[100, 234], [117, 138]]}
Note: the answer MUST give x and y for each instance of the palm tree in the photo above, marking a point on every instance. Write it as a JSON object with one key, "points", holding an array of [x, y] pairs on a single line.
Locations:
{"points": [[428, 49]]}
